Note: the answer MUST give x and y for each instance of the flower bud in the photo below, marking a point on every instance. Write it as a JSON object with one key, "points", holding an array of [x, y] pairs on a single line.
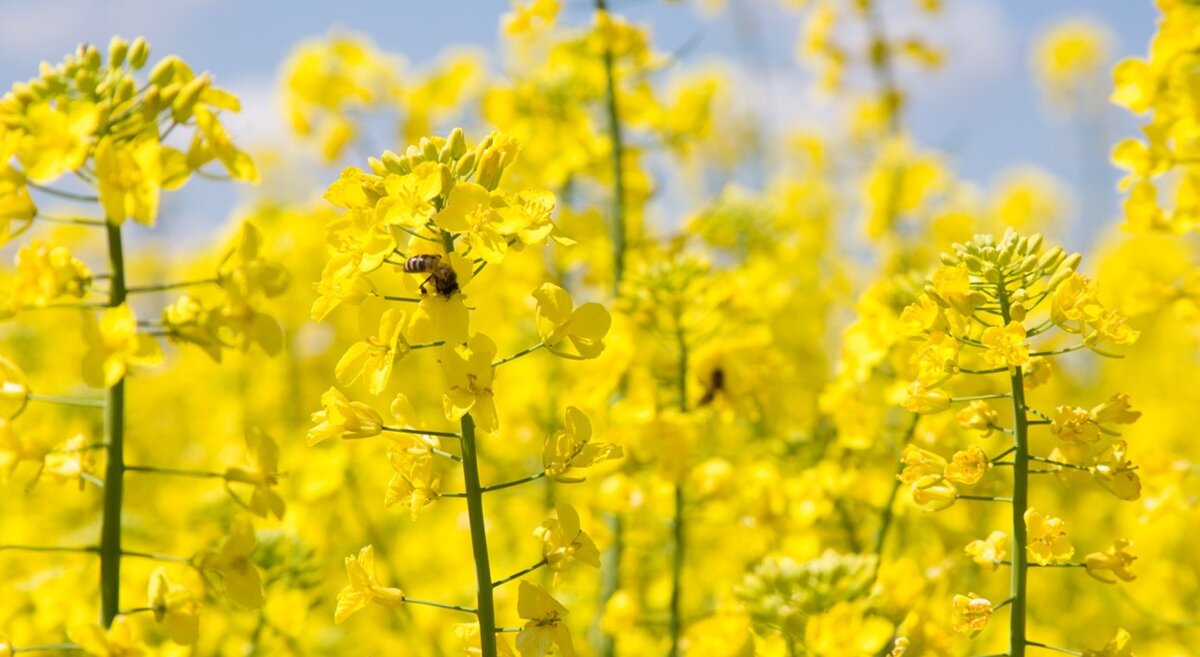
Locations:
{"points": [[139, 52], [117, 49]]}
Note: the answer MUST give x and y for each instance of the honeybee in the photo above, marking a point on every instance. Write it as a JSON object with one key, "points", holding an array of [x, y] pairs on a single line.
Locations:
{"points": [[716, 384], [445, 281]]}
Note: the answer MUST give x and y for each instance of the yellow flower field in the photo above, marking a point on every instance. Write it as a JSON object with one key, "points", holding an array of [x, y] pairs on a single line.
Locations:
{"points": [[561, 349]]}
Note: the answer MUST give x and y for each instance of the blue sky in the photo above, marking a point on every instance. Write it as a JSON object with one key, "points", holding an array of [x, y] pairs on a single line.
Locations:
{"points": [[983, 110]]}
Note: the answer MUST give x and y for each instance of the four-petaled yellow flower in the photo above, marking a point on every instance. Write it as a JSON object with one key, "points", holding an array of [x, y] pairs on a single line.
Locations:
{"points": [[115, 345], [1048, 542], [990, 552], [410, 197], [558, 319], [374, 357], [563, 541], [128, 176], [571, 447], [970, 614], [175, 604], [1116, 473], [263, 474], [364, 587], [924, 401], [57, 138], [243, 583], [1120, 646], [341, 418], [1112, 564], [546, 626], [469, 373], [417, 480], [980, 416], [968, 466], [1005, 346], [119, 640]]}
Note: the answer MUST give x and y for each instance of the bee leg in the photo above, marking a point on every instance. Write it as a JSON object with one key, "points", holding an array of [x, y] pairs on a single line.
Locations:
{"points": [[421, 287]]}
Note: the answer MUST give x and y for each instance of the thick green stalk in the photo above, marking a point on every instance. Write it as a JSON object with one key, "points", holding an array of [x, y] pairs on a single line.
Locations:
{"points": [[485, 608], [1020, 500], [618, 156], [679, 531], [611, 579], [114, 475]]}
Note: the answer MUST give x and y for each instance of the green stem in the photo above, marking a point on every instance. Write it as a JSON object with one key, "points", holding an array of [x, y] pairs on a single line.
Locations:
{"points": [[165, 558], [176, 472], [1020, 499], [49, 548], [677, 525], [519, 573], [510, 484], [66, 401], [114, 475], [46, 647], [517, 355], [889, 510], [618, 156], [439, 605], [1066, 651], [486, 611], [163, 287]]}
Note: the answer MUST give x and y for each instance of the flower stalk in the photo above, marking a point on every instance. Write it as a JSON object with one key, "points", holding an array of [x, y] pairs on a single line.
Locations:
{"points": [[114, 436]]}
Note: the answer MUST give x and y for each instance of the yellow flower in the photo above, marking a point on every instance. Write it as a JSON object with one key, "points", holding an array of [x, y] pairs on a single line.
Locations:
{"points": [[953, 285], [469, 373], [469, 633], [1071, 56], [14, 389], [175, 604], [469, 210], [118, 640], [921, 316], [1074, 424], [921, 400], [46, 273], [936, 359], [980, 416], [245, 274], [558, 320], [563, 540], [547, 624], [15, 202], [57, 139], [340, 283], [990, 552], [571, 447], [410, 197], [1113, 564], [243, 583], [374, 357], [969, 466], [364, 587], [527, 216], [1048, 542], [920, 463], [1116, 473], [128, 176], [1118, 647], [934, 493], [263, 474], [6, 646], [970, 613], [1073, 302], [532, 16], [71, 461], [417, 481], [211, 140], [341, 418], [114, 345], [1006, 346]]}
